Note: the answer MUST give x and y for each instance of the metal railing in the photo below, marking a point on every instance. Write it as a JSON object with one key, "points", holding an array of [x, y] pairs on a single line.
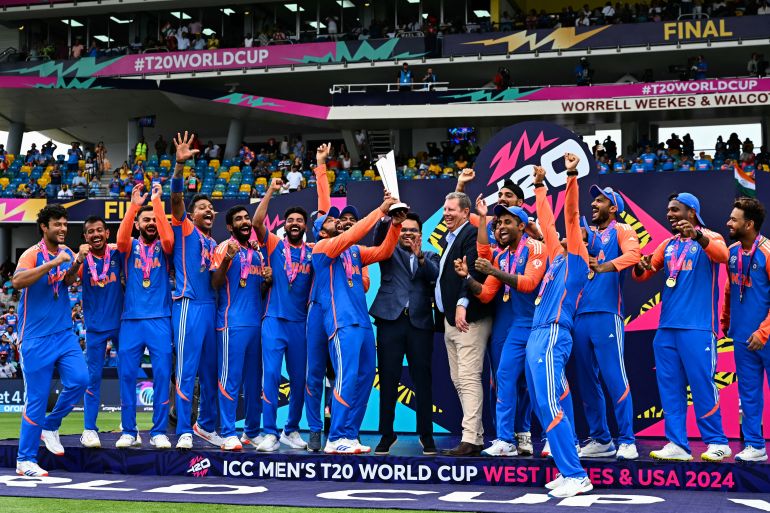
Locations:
{"points": [[389, 87]]}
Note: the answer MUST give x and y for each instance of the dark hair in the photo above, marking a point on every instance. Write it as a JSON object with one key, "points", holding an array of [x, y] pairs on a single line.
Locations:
{"points": [[296, 210], [94, 219], [195, 199], [414, 217], [48, 212], [232, 211], [143, 209], [753, 210], [508, 184]]}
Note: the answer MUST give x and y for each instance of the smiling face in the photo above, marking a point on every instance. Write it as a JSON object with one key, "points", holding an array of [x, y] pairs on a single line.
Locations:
{"points": [[507, 198], [295, 227], [737, 224], [147, 225], [410, 231], [509, 229], [55, 232], [241, 226], [96, 235], [346, 221], [454, 216], [330, 227], [601, 208], [678, 212], [203, 214]]}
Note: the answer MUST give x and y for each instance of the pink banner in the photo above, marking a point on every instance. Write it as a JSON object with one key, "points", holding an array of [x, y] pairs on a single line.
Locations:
{"points": [[272, 104], [642, 89], [212, 60], [26, 82]]}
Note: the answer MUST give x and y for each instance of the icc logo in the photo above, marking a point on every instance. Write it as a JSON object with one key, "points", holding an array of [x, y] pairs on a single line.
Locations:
{"points": [[199, 466], [144, 393]]}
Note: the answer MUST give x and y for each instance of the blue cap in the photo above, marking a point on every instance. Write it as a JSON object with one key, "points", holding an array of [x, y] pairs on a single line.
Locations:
{"points": [[690, 201], [514, 211], [319, 222], [611, 194], [350, 209]]}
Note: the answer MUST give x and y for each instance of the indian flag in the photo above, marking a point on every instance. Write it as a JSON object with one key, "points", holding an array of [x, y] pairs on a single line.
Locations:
{"points": [[745, 184]]}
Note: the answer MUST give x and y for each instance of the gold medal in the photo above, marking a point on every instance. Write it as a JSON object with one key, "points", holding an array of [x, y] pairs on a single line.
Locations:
{"points": [[506, 297], [671, 282], [146, 283], [538, 299], [350, 282], [591, 274], [100, 283], [243, 282]]}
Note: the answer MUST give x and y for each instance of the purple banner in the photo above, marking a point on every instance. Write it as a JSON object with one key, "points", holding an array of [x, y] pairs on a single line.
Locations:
{"points": [[608, 36]]}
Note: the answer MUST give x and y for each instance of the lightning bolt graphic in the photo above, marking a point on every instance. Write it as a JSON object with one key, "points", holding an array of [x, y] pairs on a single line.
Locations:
{"points": [[20, 211], [562, 39], [505, 160]]}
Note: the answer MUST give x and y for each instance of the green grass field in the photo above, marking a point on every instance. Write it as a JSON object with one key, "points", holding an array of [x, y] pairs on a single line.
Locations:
{"points": [[73, 423]]}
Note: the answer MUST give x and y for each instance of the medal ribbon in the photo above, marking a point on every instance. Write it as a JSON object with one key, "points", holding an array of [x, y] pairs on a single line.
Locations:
{"points": [[147, 258], [347, 263], [55, 276], [675, 263], [600, 233], [102, 277], [742, 281], [291, 271], [548, 277], [244, 261], [509, 269], [207, 247]]}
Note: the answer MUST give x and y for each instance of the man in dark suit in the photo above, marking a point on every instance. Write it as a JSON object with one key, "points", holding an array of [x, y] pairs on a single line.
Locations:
{"points": [[403, 314], [467, 322]]}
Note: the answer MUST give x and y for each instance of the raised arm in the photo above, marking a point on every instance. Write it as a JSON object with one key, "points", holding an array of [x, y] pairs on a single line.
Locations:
{"points": [[258, 221], [381, 230], [123, 237], [165, 232], [322, 183], [575, 243], [482, 237], [545, 216], [183, 154], [369, 255], [28, 273], [631, 253], [220, 262]]}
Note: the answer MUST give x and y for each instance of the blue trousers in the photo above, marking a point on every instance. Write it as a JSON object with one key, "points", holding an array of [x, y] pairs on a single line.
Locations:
{"points": [[317, 356], [598, 347], [354, 359], [136, 335], [281, 337], [39, 357], [522, 420], [548, 350], [195, 343], [240, 364], [752, 367], [685, 357], [96, 348], [509, 375]]}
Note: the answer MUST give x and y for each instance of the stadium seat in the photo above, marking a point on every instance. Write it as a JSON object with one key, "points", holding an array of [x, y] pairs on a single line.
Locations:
{"points": [[224, 175], [4, 181], [261, 181], [165, 163], [214, 163], [234, 169], [369, 174], [276, 174], [245, 188]]}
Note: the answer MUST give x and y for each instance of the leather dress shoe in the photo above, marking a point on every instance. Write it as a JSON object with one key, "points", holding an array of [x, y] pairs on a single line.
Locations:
{"points": [[464, 449]]}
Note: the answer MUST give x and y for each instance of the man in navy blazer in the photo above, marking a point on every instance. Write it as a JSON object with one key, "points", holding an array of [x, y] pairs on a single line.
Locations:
{"points": [[403, 313]]}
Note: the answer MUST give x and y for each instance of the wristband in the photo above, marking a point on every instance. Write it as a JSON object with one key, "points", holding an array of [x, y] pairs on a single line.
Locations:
{"points": [[177, 185], [537, 185], [573, 172], [698, 235]]}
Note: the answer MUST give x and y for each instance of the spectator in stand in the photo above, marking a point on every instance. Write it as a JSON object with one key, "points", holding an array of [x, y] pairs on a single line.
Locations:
{"points": [[195, 27], [748, 150], [115, 187], [136, 46], [5, 345], [764, 10], [703, 163], [727, 166], [685, 165], [64, 193], [700, 68], [611, 148], [7, 368], [161, 146], [169, 36], [112, 358], [608, 13], [429, 77], [688, 146], [77, 49], [668, 164], [674, 145], [101, 158], [502, 79], [602, 165], [248, 41], [192, 183], [583, 72], [246, 155], [649, 159], [582, 20], [90, 168], [294, 180], [753, 65], [32, 154], [763, 157], [620, 165], [198, 43], [48, 149], [212, 151], [213, 42], [284, 147], [331, 27], [79, 180], [182, 40], [93, 50], [94, 187], [56, 175], [347, 163], [140, 150], [405, 77], [10, 337], [734, 146]]}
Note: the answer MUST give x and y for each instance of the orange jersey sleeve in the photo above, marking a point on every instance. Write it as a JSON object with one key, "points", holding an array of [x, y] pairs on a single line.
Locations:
{"points": [[717, 249], [370, 255], [323, 189], [474, 220], [336, 245], [629, 246], [656, 262], [484, 250], [535, 269], [218, 256], [164, 228], [490, 288], [575, 243], [365, 278], [28, 259], [123, 238], [272, 242], [186, 224], [547, 224]]}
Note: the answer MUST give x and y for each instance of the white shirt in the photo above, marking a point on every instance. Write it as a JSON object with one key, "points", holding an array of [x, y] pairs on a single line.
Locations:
{"points": [[295, 179], [248, 42], [331, 26], [64, 194], [450, 239], [214, 151], [6, 370], [284, 148]]}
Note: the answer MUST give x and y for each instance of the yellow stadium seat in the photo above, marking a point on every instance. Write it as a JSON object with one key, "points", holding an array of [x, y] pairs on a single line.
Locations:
{"points": [[235, 169], [261, 181], [369, 173], [377, 178], [225, 175], [216, 194], [276, 174], [165, 163], [48, 169], [245, 187], [10, 158], [304, 183], [4, 181], [448, 170], [26, 169], [412, 162], [212, 163]]}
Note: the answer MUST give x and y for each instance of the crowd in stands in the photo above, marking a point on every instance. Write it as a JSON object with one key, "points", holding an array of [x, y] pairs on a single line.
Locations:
{"points": [[678, 154]]}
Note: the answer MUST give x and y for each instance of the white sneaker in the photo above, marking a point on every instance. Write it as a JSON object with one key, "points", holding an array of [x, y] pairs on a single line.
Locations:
{"points": [[553, 485], [128, 441], [716, 452], [211, 437], [344, 446], [751, 454], [293, 440], [524, 443], [90, 439], [627, 452], [160, 442], [596, 449], [30, 469], [671, 452], [269, 444], [500, 448], [185, 441], [52, 442], [546, 451], [254, 442], [361, 449], [572, 486], [231, 443]]}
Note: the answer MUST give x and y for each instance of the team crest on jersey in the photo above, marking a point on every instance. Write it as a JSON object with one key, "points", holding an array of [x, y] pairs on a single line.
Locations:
{"points": [[669, 250], [693, 249], [606, 238], [733, 259], [521, 260], [537, 263]]}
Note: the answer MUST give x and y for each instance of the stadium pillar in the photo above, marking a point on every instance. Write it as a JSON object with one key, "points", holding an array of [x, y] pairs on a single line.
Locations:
{"points": [[484, 134], [234, 138], [494, 12], [15, 135], [5, 244], [350, 143], [134, 133], [765, 124], [630, 132]]}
